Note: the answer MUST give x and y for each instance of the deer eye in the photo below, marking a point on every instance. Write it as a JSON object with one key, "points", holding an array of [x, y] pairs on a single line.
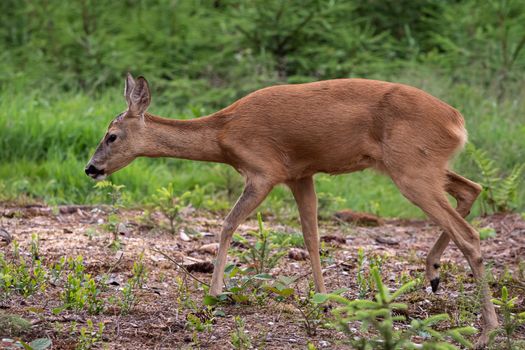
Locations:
{"points": [[112, 138]]}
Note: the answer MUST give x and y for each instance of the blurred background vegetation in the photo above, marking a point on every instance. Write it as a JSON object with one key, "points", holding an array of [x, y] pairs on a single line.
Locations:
{"points": [[63, 63]]}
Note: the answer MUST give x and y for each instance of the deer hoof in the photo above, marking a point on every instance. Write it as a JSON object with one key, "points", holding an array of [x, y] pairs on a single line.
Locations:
{"points": [[482, 342], [434, 283]]}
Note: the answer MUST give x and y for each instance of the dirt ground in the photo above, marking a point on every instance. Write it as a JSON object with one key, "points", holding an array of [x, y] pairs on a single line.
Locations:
{"points": [[158, 321]]}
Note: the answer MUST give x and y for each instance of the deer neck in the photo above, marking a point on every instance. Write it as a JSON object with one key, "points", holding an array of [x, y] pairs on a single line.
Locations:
{"points": [[195, 139]]}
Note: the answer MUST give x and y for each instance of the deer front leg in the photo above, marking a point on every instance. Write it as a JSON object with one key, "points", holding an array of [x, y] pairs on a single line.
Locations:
{"points": [[304, 193], [254, 193]]}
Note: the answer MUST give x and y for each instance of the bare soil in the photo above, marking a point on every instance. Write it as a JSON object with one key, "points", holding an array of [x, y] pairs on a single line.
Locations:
{"points": [[158, 321]]}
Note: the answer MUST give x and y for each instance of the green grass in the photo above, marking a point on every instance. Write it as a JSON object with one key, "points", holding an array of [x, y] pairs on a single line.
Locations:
{"points": [[47, 137]]}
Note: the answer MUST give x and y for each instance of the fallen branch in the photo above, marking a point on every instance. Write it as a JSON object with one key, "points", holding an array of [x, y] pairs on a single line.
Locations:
{"points": [[180, 266]]}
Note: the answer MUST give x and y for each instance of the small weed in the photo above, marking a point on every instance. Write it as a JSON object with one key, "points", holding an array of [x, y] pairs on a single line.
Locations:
{"points": [[365, 281], [377, 321], [136, 282], [265, 253], [311, 312], [35, 247], [57, 269], [486, 233], [16, 275], [239, 339], [362, 281], [89, 336], [166, 201], [80, 289], [199, 322], [115, 194], [511, 320]]}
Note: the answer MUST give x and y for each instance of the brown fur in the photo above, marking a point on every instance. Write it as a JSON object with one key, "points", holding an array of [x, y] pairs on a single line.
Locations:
{"points": [[288, 133]]}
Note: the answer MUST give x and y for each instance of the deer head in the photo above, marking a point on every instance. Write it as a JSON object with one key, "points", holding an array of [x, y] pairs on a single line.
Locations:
{"points": [[123, 140]]}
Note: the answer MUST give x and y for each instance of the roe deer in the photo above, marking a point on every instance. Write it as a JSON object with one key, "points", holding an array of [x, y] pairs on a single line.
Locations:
{"points": [[287, 133]]}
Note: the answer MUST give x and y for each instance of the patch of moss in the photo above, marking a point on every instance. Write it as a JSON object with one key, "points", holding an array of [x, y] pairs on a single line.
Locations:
{"points": [[13, 325]]}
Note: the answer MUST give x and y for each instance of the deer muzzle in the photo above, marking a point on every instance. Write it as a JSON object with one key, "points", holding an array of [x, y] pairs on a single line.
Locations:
{"points": [[95, 173]]}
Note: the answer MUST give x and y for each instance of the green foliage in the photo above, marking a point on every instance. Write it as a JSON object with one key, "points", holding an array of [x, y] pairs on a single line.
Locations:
{"points": [[37, 344], [80, 289], [511, 320], [364, 278], [486, 233], [499, 192], [378, 318], [13, 325], [21, 276], [167, 202], [115, 195], [264, 254], [250, 282], [63, 63], [137, 280], [90, 336], [239, 339]]}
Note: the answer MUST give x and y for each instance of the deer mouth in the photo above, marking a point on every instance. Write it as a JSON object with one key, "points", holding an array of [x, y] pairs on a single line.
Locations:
{"points": [[95, 173], [99, 177]]}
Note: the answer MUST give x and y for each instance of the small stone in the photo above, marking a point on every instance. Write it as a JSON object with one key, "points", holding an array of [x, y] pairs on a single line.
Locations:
{"points": [[122, 229], [333, 239], [298, 254], [211, 248], [183, 236], [324, 343], [360, 219], [5, 237]]}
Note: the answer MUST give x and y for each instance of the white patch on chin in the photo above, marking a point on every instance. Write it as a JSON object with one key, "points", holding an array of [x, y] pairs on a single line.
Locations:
{"points": [[100, 177]]}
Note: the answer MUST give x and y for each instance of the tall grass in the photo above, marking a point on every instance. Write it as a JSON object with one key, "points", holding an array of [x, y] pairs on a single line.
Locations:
{"points": [[46, 138]]}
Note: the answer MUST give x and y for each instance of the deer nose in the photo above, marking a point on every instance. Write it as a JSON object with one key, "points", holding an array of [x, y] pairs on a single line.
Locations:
{"points": [[92, 170]]}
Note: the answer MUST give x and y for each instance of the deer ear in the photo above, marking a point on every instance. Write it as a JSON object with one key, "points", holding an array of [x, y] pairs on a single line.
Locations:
{"points": [[128, 87], [140, 97]]}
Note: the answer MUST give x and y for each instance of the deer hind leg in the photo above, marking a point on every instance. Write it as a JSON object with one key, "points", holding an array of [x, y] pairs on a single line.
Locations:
{"points": [[255, 191], [428, 194], [465, 192], [304, 193]]}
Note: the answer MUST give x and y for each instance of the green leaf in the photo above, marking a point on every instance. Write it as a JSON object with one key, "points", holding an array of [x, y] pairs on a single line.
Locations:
{"points": [[219, 313], [339, 291], [486, 233], [41, 343], [58, 310], [210, 300], [320, 298], [263, 276]]}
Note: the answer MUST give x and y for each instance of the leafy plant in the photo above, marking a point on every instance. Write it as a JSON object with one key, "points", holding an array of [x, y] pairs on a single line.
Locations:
{"points": [[17, 275], [365, 281], [80, 289], [90, 336], [114, 193], [136, 282], [499, 192], [511, 320], [167, 202], [377, 319], [264, 254], [239, 339]]}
